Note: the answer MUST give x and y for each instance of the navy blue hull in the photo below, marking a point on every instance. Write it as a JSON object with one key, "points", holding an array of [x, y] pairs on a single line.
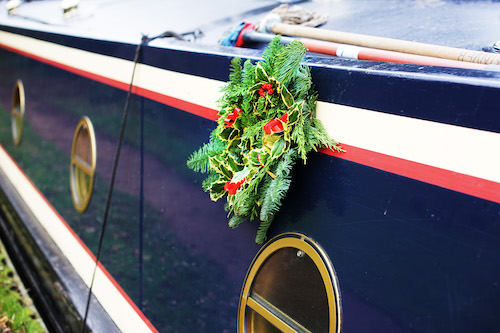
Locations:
{"points": [[410, 256]]}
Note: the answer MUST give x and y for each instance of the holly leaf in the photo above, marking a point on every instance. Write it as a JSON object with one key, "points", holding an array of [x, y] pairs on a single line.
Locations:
{"points": [[220, 166], [287, 97], [293, 116], [254, 88], [260, 73], [278, 148], [240, 175], [232, 162], [217, 190]]}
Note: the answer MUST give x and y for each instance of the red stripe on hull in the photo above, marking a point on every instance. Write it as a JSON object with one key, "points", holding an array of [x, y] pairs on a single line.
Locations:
{"points": [[161, 98], [451, 180], [470, 185], [178, 103]]}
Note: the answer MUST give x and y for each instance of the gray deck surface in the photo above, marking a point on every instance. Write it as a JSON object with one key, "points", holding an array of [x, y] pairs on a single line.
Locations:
{"points": [[465, 24]]}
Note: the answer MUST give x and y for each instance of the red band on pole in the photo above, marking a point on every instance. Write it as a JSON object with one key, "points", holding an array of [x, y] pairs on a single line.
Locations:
{"points": [[247, 26]]}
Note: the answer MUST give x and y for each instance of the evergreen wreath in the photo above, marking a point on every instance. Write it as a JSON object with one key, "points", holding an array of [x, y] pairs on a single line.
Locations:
{"points": [[267, 121]]}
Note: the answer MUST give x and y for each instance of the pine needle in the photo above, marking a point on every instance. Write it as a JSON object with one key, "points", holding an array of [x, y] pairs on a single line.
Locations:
{"points": [[275, 192], [302, 82], [199, 160], [262, 232], [236, 220], [288, 61], [236, 72], [244, 201], [269, 54], [248, 73], [286, 164]]}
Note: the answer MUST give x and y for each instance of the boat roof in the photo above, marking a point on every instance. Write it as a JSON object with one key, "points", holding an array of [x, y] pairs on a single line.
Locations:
{"points": [[472, 25]]}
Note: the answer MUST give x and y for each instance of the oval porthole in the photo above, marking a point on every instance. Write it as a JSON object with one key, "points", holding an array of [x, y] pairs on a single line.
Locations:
{"points": [[83, 164], [17, 112], [291, 286]]}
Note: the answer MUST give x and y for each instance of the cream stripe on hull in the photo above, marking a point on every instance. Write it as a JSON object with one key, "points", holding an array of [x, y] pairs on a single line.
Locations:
{"points": [[110, 297], [448, 147], [454, 148]]}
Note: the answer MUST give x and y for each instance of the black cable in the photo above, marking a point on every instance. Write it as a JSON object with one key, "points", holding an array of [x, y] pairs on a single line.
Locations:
{"points": [[144, 41]]}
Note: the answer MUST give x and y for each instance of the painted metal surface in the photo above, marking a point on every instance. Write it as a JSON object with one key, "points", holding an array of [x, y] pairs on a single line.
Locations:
{"points": [[410, 215]]}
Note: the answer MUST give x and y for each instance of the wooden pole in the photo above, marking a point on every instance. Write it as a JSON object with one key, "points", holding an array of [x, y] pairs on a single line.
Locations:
{"points": [[389, 44], [365, 53], [358, 52]]}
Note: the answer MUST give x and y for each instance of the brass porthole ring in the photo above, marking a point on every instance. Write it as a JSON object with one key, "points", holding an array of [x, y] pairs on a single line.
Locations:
{"points": [[83, 164], [17, 112], [291, 286]]}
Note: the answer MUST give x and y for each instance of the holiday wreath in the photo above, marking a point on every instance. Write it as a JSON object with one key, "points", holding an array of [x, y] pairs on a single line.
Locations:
{"points": [[267, 121]]}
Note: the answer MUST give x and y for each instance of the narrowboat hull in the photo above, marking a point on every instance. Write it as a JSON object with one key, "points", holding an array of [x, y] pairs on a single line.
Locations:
{"points": [[409, 215]]}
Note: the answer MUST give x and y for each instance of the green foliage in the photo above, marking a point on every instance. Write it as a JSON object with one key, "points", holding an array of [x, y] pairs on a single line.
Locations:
{"points": [[267, 121], [275, 47], [288, 61], [236, 220], [15, 315], [286, 164], [209, 181], [236, 73], [302, 83], [275, 192], [253, 133], [199, 160]]}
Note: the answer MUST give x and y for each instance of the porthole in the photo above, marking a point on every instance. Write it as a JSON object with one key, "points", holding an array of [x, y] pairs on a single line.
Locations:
{"points": [[291, 286], [17, 112], [83, 164]]}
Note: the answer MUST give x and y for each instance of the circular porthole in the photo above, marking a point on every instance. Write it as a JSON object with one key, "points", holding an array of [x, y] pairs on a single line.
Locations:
{"points": [[17, 112], [291, 286], [83, 164]]}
